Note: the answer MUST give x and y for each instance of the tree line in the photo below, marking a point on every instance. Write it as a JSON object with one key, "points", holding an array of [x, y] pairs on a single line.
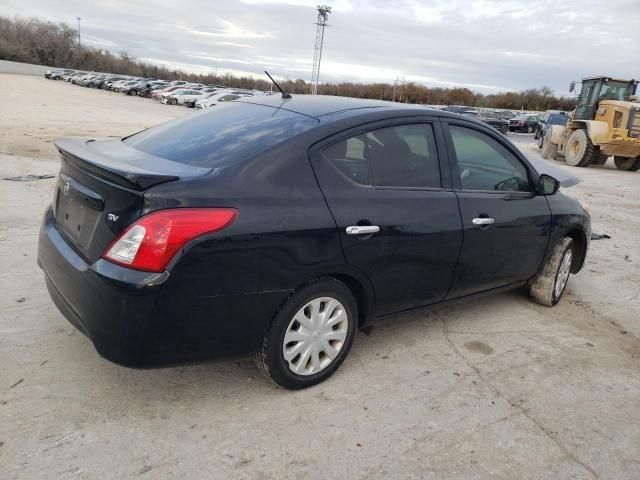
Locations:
{"points": [[31, 40]]}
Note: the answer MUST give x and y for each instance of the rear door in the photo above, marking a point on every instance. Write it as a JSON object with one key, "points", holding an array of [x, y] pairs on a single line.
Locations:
{"points": [[396, 213], [506, 226]]}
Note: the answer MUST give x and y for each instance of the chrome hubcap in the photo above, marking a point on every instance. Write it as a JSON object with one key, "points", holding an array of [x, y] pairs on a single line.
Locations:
{"points": [[563, 272], [315, 336]]}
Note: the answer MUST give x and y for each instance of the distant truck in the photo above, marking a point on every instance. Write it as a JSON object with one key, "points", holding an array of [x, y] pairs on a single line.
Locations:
{"points": [[606, 122]]}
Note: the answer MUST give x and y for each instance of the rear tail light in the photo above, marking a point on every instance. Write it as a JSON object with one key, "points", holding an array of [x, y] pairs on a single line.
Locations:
{"points": [[150, 243]]}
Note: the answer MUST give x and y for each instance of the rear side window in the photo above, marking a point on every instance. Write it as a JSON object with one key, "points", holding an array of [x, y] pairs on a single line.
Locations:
{"points": [[398, 156], [350, 158], [216, 137]]}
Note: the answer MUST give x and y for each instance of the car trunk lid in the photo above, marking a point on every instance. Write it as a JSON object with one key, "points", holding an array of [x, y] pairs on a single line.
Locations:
{"points": [[100, 190]]}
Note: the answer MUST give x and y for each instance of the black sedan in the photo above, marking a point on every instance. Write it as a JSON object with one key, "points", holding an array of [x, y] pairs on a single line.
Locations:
{"points": [[524, 123], [491, 119], [284, 225]]}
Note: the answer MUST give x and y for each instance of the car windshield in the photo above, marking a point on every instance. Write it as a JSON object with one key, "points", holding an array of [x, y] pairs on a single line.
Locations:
{"points": [[218, 137]]}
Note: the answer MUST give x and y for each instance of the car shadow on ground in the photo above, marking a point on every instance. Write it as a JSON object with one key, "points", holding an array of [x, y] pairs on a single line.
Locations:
{"points": [[238, 375]]}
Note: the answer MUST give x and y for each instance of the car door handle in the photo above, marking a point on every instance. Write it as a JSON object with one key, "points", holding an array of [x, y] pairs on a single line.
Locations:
{"points": [[483, 221], [362, 229]]}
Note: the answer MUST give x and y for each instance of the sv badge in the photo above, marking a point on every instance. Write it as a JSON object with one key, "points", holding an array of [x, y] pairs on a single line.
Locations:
{"points": [[112, 217]]}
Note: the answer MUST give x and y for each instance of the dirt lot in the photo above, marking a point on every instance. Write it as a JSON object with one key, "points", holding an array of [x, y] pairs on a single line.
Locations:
{"points": [[494, 388]]}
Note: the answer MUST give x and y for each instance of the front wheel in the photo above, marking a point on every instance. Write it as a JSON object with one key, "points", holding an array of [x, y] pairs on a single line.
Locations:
{"points": [[549, 285], [579, 151], [529, 129], [310, 336]]}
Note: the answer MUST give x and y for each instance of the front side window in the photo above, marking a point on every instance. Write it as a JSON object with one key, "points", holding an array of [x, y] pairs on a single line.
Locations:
{"points": [[485, 164], [398, 156]]}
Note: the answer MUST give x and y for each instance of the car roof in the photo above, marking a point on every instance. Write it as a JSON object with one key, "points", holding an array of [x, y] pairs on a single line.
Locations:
{"points": [[320, 105]]}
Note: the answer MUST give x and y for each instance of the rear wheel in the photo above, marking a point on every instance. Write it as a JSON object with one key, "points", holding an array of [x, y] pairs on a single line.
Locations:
{"points": [[549, 285], [579, 151], [504, 129], [310, 336], [629, 164], [549, 149]]}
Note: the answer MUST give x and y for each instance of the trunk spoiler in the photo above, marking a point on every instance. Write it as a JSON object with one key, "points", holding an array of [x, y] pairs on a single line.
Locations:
{"points": [[565, 178], [118, 163]]}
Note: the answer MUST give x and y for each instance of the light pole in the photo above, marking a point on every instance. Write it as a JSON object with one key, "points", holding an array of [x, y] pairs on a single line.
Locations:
{"points": [[323, 14], [78, 18]]}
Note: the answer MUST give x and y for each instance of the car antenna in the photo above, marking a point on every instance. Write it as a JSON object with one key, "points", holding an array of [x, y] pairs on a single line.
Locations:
{"points": [[284, 94]]}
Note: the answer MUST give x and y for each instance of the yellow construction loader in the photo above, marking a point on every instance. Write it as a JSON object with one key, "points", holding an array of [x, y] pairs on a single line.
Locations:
{"points": [[605, 123]]}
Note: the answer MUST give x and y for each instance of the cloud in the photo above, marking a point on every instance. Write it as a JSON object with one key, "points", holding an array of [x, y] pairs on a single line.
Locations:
{"points": [[485, 45]]}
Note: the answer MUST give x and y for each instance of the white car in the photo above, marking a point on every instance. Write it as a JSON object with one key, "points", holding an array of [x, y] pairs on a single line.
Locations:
{"points": [[226, 96], [178, 97]]}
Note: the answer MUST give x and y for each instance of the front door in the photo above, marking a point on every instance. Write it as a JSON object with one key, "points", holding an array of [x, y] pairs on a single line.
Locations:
{"points": [[506, 226], [397, 222]]}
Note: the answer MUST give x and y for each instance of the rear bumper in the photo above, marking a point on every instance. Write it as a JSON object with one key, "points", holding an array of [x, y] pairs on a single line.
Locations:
{"points": [[140, 319], [110, 304]]}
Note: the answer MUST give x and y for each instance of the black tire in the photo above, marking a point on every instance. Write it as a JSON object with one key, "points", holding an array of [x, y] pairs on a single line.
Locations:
{"points": [[270, 358], [543, 288], [173, 101], [504, 129], [601, 159], [133, 93], [529, 129], [540, 141], [628, 164], [579, 151]]}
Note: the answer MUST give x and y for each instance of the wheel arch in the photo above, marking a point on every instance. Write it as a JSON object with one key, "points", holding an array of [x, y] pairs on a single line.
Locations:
{"points": [[355, 281], [597, 131], [363, 297], [580, 241]]}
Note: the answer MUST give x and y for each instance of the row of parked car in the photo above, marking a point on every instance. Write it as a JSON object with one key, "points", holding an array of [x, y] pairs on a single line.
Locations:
{"points": [[508, 121], [197, 95], [176, 92]]}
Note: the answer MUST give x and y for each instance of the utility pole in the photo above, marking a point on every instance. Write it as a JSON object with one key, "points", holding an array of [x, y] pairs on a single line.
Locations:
{"points": [[321, 22], [78, 19]]}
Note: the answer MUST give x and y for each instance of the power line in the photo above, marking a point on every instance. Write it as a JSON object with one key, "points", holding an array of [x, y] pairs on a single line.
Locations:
{"points": [[321, 22]]}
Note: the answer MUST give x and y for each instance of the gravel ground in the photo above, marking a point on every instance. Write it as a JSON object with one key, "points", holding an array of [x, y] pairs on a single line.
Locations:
{"points": [[492, 388]]}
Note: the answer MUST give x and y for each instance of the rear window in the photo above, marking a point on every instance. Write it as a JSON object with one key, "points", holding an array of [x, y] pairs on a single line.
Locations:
{"points": [[224, 134], [557, 119]]}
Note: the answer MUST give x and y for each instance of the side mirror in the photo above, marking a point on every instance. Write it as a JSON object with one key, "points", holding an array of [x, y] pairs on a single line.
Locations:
{"points": [[572, 86], [547, 185]]}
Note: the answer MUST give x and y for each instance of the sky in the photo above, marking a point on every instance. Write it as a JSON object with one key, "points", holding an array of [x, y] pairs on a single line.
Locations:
{"points": [[485, 45]]}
